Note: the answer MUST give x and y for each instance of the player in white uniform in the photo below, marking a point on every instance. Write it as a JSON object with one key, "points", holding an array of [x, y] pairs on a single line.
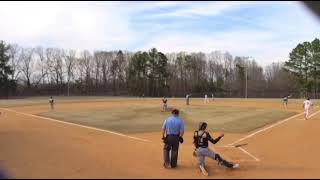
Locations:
{"points": [[188, 99], [307, 105], [206, 100], [51, 102], [164, 106]]}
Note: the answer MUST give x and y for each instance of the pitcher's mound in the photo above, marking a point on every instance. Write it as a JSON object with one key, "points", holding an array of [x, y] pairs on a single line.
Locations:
{"points": [[169, 109]]}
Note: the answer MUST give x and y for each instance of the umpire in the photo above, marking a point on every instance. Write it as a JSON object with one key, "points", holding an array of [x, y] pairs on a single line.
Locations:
{"points": [[172, 134]]}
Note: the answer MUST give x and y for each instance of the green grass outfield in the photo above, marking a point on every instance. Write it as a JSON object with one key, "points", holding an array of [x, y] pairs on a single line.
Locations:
{"points": [[138, 119], [38, 100]]}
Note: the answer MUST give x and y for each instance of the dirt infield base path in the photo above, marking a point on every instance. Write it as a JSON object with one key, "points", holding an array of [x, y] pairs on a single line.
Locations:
{"points": [[37, 148]]}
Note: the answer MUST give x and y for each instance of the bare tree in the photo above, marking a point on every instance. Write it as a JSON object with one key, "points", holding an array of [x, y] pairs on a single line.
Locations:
{"points": [[27, 65], [97, 67], [55, 64], [106, 66], [15, 60], [42, 63], [121, 69], [70, 60], [85, 65], [114, 73]]}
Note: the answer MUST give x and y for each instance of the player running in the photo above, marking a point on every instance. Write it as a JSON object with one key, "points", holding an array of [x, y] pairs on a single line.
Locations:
{"points": [[307, 105], [51, 102], [200, 140]]}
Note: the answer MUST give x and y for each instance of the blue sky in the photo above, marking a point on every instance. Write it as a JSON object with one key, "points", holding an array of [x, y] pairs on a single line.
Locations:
{"points": [[267, 31]]}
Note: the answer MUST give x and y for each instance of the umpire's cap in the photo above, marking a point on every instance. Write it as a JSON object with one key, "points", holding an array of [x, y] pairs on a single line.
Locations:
{"points": [[175, 111]]}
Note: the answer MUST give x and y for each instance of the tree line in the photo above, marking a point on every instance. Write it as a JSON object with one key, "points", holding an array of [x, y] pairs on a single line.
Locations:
{"points": [[27, 71]]}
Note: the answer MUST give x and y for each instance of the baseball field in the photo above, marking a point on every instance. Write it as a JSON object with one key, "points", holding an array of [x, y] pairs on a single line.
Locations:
{"points": [[108, 137]]}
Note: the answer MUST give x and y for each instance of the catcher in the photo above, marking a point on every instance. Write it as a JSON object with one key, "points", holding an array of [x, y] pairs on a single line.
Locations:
{"points": [[200, 139]]}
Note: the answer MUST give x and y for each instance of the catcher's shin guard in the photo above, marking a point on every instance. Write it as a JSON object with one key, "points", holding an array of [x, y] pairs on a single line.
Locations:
{"points": [[222, 162]]}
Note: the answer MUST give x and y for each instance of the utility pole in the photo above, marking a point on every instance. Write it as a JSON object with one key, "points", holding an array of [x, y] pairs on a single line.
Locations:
{"points": [[68, 89], [246, 72], [246, 69]]}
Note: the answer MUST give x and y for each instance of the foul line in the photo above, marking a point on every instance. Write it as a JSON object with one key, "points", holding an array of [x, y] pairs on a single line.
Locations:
{"points": [[252, 156], [74, 124], [269, 127]]}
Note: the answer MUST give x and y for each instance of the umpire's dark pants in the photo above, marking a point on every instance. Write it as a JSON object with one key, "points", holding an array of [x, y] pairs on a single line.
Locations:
{"points": [[171, 144]]}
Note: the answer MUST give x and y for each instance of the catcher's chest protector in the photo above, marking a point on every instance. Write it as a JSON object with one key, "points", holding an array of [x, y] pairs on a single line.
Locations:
{"points": [[200, 138]]}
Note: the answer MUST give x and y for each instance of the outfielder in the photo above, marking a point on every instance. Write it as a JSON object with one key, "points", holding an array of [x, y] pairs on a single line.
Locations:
{"points": [[51, 102], [200, 139], [285, 102], [307, 105], [188, 99], [206, 100], [164, 101]]}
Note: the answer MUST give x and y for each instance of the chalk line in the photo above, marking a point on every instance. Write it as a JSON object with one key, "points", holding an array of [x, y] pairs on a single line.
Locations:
{"points": [[83, 126]]}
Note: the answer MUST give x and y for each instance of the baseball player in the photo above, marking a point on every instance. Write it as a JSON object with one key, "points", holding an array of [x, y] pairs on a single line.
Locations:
{"points": [[164, 101], [212, 96], [200, 140], [307, 105], [285, 101], [188, 99], [51, 102], [206, 100]]}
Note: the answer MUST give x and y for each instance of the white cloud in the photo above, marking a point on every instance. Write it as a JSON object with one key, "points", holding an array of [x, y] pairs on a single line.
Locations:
{"points": [[70, 25], [195, 9], [261, 45], [108, 26]]}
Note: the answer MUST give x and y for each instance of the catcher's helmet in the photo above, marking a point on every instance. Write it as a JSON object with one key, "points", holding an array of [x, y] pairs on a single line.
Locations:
{"points": [[202, 125]]}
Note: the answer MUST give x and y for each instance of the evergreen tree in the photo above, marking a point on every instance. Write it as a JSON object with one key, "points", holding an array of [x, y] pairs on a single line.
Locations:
{"points": [[6, 85]]}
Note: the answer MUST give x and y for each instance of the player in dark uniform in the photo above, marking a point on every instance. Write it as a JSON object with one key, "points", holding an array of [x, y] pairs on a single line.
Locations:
{"points": [[285, 101], [200, 139]]}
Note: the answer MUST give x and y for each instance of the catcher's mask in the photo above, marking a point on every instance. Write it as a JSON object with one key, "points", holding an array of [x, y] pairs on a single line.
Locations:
{"points": [[202, 126]]}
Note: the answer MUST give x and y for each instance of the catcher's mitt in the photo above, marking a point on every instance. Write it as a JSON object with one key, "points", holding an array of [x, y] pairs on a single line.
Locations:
{"points": [[164, 140], [181, 139]]}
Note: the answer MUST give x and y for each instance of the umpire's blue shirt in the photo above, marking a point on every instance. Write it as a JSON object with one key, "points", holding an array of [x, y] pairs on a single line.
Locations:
{"points": [[173, 125]]}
